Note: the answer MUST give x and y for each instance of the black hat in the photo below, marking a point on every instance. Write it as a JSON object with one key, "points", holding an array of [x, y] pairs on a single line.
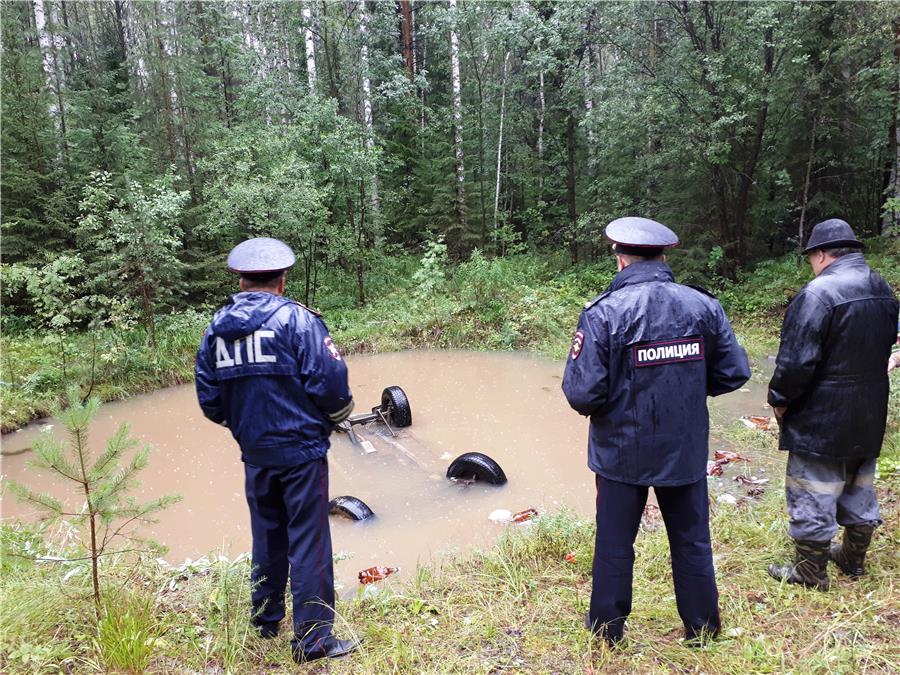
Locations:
{"points": [[832, 233], [640, 236], [260, 256]]}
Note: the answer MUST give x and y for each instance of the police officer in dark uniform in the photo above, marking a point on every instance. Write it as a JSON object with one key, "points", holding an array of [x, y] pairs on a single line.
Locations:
{"points": [[268, 370], [646, 355]]}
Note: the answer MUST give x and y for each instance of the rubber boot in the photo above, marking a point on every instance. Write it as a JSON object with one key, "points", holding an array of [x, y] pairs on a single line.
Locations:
{"points": [[810, 566], [851, 555]]}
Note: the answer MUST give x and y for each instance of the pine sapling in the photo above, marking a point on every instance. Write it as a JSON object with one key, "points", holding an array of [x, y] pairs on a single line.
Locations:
{"points": [[109, 511]]}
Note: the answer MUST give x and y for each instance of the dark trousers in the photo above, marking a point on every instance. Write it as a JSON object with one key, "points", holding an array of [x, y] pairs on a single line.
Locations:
{"points": [[289, 520], [685, 511]]}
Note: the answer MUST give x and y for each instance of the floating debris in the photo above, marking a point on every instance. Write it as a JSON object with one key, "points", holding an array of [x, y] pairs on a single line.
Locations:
{"points": [[522, 516], [500, 516], [376, 573]]}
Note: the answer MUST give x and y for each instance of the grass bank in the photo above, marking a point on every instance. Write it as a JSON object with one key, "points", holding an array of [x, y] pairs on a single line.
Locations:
{"points": [[516, 303], [518, 607]]}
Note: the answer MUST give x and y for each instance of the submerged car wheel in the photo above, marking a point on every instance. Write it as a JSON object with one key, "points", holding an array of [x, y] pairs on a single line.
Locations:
{"points": [[395, 406], [350, 507], [478, 466]]}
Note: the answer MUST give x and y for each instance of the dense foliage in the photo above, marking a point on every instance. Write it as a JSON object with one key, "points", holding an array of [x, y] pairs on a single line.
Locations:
{"points": [[141, 140]]}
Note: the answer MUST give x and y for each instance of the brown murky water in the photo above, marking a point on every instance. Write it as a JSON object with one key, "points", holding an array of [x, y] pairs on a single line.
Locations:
{"points": [[507, 405]]}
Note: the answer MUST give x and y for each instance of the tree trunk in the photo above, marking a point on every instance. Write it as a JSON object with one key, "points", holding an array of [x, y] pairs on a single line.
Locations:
{"points": [[406, 32], [457, 118], [500, 144], [540, 139], [309, 40], [47, 43], [801, 230], [570, 188], [366, 98], [81, 450], [890, 181], [746, 179]]}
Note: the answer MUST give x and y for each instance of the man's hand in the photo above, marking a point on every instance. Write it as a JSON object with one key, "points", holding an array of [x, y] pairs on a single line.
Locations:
{"points": [[780, 410], [893, 361]]}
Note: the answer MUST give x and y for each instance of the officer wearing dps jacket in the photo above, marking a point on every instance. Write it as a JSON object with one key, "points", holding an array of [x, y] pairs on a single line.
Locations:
{"points": [[830, 389], [268, 370], [646, 355]]}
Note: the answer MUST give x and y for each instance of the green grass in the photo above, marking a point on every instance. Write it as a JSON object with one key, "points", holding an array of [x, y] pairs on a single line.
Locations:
{"points": [[518, 607]]}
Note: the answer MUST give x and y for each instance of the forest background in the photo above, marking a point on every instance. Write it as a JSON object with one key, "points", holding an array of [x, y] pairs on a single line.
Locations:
{"points": [[388, 143]]}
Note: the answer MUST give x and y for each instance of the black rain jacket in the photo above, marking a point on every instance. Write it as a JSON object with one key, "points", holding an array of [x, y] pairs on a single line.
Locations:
{"points": [[646, 355], [831, 370]]}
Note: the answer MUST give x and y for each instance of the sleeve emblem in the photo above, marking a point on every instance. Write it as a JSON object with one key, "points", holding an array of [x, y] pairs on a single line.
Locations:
{"points": [[577, 344], [332, 350]]}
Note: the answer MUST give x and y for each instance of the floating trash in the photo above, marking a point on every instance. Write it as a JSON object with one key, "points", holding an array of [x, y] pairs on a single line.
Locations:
{"points": [[376, 573], [522, 516], [500, 516]]}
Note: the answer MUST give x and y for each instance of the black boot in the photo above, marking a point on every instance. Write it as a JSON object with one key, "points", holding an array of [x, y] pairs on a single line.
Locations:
{"points": [[330, 648], [850, 555], [810, 566]]}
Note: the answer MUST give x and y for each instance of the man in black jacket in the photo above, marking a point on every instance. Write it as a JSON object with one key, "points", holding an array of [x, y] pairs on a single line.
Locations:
{"points": [[646, 355], [830, 392]]}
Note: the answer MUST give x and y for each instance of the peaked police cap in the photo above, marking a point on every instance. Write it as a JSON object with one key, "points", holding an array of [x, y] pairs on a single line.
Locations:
{"points": [[640, 233], [260, 255], [832, 233]]}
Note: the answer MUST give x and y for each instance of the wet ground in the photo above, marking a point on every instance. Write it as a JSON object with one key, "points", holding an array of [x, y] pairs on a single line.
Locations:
{"points": [[506, 405]]}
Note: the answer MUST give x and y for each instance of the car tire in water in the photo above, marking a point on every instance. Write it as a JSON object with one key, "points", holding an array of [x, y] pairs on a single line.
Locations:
{"points": [[476, 465], [395, 405], [350, 507]]}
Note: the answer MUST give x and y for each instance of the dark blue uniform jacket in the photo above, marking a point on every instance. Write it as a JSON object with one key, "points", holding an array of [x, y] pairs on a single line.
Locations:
{"points": [[268, 370], [646, 355]]}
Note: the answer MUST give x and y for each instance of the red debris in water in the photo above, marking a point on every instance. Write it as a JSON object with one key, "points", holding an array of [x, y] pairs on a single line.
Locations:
{"points": [[570, 556], [522, 516], [376, 573]]}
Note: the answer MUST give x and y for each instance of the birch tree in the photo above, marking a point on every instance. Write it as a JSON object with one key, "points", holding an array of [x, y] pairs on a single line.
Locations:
{"points": [[457, 115], [500, 141], [367, 97], [310, 43]]}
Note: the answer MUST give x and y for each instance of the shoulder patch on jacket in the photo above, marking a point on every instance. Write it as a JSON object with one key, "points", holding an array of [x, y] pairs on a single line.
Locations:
{"points": [[600, 297], [702, 290], [308, 309]]}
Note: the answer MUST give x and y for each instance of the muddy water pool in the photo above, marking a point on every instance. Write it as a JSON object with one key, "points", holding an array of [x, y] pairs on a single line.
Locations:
{"points": [[507, 405]]}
